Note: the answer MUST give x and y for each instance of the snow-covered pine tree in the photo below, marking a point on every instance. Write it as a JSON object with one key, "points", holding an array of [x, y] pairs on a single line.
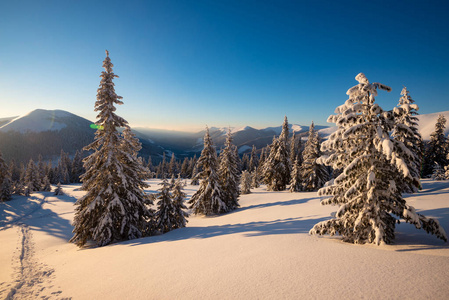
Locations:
{"points": [[58, 190], [113, 208], [277, 166], [438, 172], [446, 172], [245, 162], [246, 182], [180, 215], [32, 178], [77, 168], [64, 167], [41, 170], [150, 164], [253, 160], [172, 166], [46, 186], [195, 180], [19, 185], [192, 164], [406, 130], [296, 179], [5, 180], [185, 167], [293, 148], [436, 150], [228, 174], [370, 159], [208, 200], [255, 179], [313, 174], [165, 209]]}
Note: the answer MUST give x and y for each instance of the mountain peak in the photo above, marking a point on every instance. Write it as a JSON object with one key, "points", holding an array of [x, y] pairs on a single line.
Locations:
{"points": [[40, 120]]}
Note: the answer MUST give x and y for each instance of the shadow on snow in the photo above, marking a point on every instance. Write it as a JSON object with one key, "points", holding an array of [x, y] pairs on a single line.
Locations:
{"points": [[30, 211]]}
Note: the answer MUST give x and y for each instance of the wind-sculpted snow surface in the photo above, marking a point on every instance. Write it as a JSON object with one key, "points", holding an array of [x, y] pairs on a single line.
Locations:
{"points": [[262, 250]]}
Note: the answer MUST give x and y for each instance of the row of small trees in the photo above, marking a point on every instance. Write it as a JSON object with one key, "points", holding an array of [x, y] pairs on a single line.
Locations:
{"points": [[21, 180]]}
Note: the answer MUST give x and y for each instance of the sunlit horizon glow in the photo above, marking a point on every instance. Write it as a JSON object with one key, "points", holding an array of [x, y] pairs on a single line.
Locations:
{"points": [[184, 65]]}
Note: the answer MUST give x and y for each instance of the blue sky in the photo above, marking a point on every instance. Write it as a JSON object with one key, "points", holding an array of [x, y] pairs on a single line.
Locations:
{"points": [[185, 64]]}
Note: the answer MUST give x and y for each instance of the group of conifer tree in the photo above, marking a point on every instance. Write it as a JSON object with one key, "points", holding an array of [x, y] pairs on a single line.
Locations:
{"points": [[436, 153], [375, 157], [34, 177]]}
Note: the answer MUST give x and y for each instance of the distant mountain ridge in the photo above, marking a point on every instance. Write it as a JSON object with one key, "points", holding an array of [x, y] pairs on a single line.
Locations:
{"points": [[46, 132]]}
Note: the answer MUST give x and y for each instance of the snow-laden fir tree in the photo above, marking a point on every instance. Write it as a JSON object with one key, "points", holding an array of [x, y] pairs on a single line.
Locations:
{"points": [[113, 209], [58, 190], [253, 160], [5, 180], [313, 174], [77, 168], [255, 179], [46, 186], [180, 215], [438, 173], [32, 179], [228, 173], [195, 180], [165, 209], [296, 179], [446, 172], [293, 148], [246, 182], [277, 166], [172, 170], [209, 199], [370, 159], [184, 167], [406, 130], [436, 150]]}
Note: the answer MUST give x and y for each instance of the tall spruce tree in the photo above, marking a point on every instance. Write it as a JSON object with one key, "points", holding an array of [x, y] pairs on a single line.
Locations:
{"points": [[113, 209], [32, 178], [313, 174], [436, 150], [228, 173], [180, 215], [77, 168], [209, 199], [370, 159], [165, 209], [5, 180], [253, 160], [246, 182], [406, 130], [277, 166], [296, 178]]}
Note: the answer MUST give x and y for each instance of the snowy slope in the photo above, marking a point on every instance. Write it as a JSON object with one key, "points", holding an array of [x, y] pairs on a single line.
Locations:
{"points": [[42, 120], [427, 124], [260, 251]]}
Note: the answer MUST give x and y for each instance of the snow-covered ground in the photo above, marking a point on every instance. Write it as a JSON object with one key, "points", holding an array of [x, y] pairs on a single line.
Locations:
{"points": [[260, 251]]}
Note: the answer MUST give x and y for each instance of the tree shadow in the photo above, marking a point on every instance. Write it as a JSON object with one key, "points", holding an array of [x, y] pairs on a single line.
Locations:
{"points": [[270, 204], [431, 188], [30, 211], [251, 229], [418, 239]]}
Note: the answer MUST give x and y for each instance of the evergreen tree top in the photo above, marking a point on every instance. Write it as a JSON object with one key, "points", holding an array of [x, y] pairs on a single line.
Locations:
{"points": [[406, 98]]}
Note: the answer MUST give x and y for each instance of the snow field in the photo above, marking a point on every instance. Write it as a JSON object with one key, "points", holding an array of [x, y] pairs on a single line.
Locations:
{"points": [[260, 251]]}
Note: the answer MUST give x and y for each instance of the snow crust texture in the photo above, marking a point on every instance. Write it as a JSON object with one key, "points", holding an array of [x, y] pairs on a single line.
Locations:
{"points": [[262, 250]]}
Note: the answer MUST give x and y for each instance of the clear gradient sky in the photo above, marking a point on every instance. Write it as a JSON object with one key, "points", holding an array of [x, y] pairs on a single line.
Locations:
{"points": [[185, 64]]}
